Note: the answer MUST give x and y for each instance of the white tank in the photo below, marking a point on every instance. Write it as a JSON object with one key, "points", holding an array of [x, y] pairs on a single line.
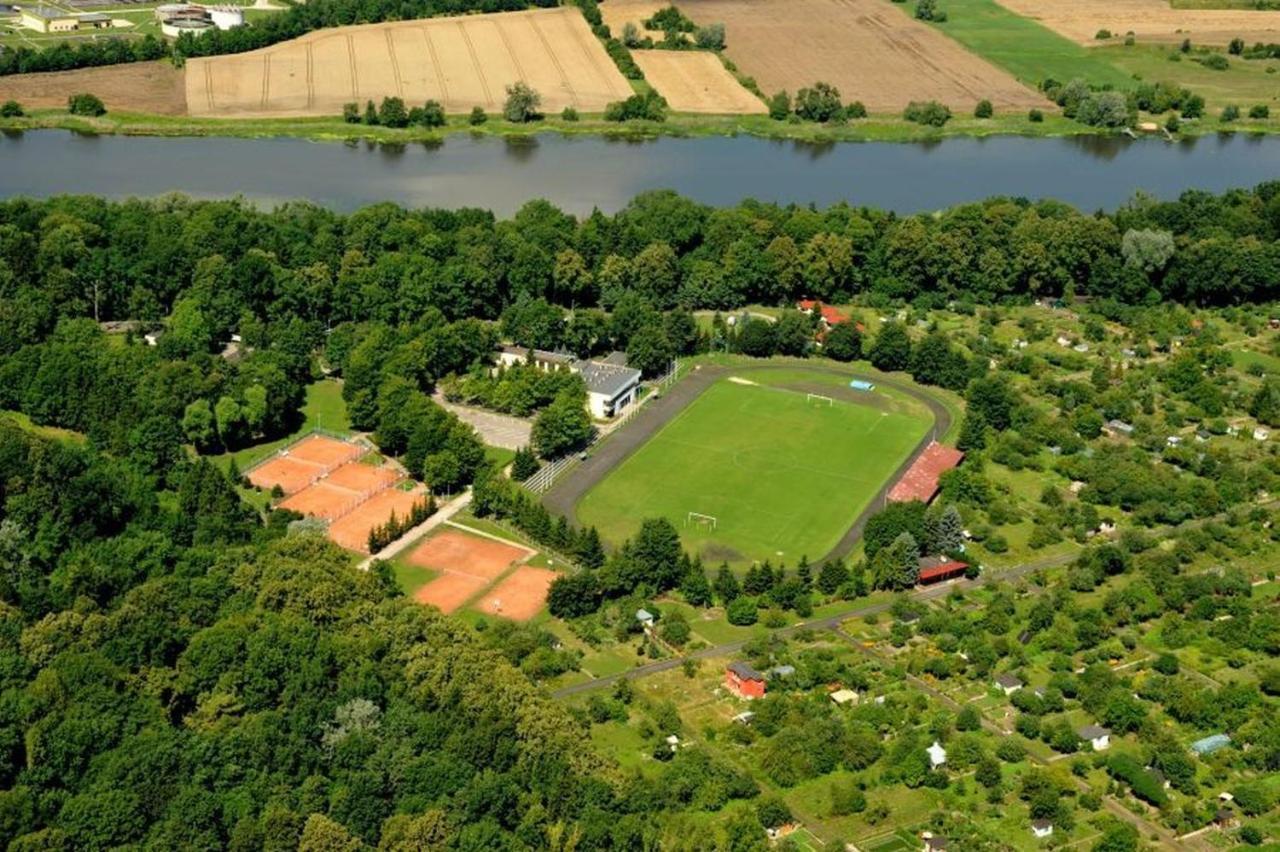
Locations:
{"points": [[227, 17]]}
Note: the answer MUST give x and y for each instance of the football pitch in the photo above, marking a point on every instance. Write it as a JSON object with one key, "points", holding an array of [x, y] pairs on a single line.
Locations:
{"points": [[771, 473]]}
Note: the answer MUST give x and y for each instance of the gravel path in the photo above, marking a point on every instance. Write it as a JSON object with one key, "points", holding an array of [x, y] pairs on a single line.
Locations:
{"points": [[563, 497]]}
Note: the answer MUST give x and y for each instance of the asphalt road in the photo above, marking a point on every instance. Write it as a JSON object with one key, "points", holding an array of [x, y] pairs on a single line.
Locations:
{"points": [[563, 497]]}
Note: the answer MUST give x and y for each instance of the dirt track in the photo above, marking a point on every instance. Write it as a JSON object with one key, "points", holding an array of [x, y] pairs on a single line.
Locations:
{"points": [[871, 50], [151, 87], [462, 62], [573, 485], [1149, 20]]}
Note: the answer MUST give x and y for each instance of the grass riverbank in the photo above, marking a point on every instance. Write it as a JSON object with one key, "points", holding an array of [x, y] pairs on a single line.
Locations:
{"points": [[876, 128]]}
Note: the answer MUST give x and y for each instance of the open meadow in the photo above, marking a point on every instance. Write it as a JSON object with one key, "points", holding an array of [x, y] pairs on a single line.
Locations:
{"points": [[782, 474], [462, 62]]}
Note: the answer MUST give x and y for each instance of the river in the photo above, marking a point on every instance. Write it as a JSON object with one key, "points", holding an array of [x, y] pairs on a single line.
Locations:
{"points": [[579, 173]]}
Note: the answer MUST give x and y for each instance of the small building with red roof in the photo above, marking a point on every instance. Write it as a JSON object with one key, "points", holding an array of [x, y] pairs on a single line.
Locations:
{"points": [[744, 681], [935, 569], [920, 482], [830, 316]]}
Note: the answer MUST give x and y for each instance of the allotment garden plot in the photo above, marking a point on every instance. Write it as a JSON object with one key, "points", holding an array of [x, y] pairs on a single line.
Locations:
{"points": [[753, 472]]}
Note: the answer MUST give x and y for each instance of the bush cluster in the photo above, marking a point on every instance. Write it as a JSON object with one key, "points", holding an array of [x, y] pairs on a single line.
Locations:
{"points": [[86, 104], [650, 106], [392, 113], [929, 113]]}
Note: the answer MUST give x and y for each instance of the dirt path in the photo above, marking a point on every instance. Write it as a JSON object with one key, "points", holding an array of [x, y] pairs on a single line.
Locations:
{"points": [[563, 497]]}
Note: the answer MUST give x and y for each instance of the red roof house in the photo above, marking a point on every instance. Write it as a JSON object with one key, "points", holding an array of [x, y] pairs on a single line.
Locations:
{"points": [[920, 482], [830, 316], [935, 569], [744, 681]]}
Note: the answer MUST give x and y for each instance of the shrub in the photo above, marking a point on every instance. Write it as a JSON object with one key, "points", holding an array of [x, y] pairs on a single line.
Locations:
{"points": [[1236, 47], [392, 113], [622, 58], [370, 114], [983, 109], [711, 37], [1035, 116], [855, 110], [1143, 784], [351, 113], [1185, 47], [522, 103], [651, 106], [1193, 107], [930, 113], [1215, 62], [1230, 113], [1102, 35], [569, 114], [819, 103], [779, 106], [927, 10], [1259, 111], [742, 611], [1129, 40], [11, 109], [86, 104], [432, 114], [477, 116], [1104, 109]]}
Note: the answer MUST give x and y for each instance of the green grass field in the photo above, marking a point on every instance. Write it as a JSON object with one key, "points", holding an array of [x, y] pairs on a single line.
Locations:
{"points": [[783, 476]]}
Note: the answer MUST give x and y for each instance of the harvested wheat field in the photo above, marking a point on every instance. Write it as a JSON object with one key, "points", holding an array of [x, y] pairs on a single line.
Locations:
{"points": [[1149, 20], [696, 81], [462, 62], [618, 13], [151, 87], [871, 50]]}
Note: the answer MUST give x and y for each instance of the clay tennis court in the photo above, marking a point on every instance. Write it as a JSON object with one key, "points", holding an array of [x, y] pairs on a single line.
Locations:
{"points": [[1148, 20], [450, 591], [321, 500], [352, 530], [456, 551], [297, 466], [696, 81], [519, 597], [462, 62], [871, 50], [362, 478]]}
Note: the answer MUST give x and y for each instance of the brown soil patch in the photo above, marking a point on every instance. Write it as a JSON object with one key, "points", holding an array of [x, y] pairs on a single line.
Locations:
{"points": [[454, 550], [352, 530], [872, 51], [450, 591], [151, 87], [696, 81], [1149, 20], [519, 597], [462, 62]]}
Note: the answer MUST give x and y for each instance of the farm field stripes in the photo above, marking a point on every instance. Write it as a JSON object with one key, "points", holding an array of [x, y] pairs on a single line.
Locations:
{"points": [[871, 50], [696, 81], [462, 62], [732, 455]]}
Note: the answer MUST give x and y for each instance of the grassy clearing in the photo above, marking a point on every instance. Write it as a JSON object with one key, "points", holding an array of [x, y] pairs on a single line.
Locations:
{"points": [[1024, 48], [1244, 83], [324, 408], [23, 422], [776, 471]]}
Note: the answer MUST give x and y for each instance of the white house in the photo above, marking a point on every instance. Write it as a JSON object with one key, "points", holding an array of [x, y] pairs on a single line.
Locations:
{"points": [[1042, 828], [1097, 736], [611, 384], [645, 618], [937, 755], [1008, 684]]}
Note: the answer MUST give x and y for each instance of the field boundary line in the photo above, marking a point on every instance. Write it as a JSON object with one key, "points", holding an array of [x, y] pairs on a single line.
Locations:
{"points": [[311, 76], [395, 63], [351, 64], [475, 64], [208, 82], [506, 42], [452, 523], [435, 65], [266, 79], [592, 58], [555, 60]]}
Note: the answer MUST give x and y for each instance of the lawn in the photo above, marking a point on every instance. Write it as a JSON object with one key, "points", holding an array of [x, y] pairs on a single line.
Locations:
{"points": [[1023, 47], [324, 408], [783, 476]]}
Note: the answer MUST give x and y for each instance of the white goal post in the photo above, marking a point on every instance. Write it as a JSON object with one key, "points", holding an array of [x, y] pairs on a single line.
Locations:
{"points": [[701, 520], [819, 399]]}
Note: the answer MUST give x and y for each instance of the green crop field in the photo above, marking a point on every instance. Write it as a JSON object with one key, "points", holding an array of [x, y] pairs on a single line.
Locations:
{"points": [[782, 475]]}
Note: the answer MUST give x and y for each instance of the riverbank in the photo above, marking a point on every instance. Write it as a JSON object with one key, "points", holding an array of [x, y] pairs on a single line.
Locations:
{"points": [[876, 128]]}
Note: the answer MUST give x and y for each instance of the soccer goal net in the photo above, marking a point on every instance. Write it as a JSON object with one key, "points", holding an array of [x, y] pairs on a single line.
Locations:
{"points": [[700, 520], [818, 399]]}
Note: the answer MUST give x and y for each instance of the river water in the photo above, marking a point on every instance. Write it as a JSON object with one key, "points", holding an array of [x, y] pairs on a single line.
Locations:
{"points": [[579, 173]]}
